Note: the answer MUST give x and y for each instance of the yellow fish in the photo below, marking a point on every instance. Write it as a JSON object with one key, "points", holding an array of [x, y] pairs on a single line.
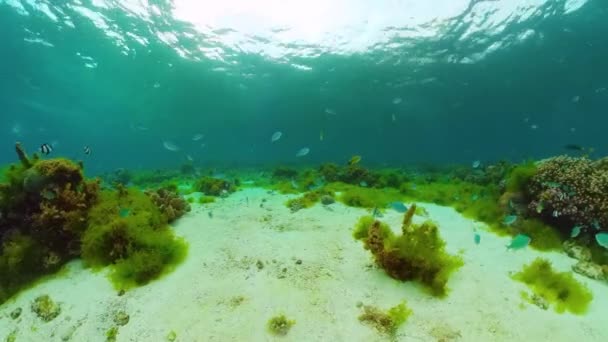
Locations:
{"points": [[354, 160]]}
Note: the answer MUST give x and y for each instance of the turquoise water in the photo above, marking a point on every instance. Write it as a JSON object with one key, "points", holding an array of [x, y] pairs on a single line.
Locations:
{"points": [[398, 83]]}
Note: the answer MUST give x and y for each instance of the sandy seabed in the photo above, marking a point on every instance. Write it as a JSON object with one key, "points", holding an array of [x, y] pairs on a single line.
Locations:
{"points": [[253, 259]]}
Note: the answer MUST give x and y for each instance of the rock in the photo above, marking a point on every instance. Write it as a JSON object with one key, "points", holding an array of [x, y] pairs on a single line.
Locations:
{"points": [[16, 313], [45, 308], [576, 251], [121, 318], [259, 264], [327, 200], [590, 270]]}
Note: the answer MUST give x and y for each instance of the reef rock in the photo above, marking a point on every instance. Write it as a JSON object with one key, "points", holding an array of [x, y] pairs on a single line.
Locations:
{"points": [[169, 202], [590, 270], [576, 251]]}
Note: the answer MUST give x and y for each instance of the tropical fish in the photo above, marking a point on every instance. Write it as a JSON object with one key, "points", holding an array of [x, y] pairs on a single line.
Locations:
{"points": [[210, 214], [354, 160], [474, 197], [321, 136], [87, 150], [555, 213], [302, 152], [393, 117], [477, 238], [189, 157], [124, 212], [540, 206], [198, 137], [276, 136], [330, 111], [398, 206], [45, 149], [509, 220], [602, 239], [576, 230], [363, 184], [596, 225], [519, 241], [574, 147], [397, 100], [476, 164], [170, 146]]}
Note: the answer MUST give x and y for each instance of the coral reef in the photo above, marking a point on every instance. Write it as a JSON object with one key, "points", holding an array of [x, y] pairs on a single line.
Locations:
{"points": [[559, 289], [385, 322], [169, 202], [214, 186], [568, 191], [279, 325], [43, 214], [418, 254], [45, 308]]}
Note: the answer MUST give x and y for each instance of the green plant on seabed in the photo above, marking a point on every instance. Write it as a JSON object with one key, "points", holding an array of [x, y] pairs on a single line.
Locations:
{"points": [[279, 325], [386, 322], [559, 289]]}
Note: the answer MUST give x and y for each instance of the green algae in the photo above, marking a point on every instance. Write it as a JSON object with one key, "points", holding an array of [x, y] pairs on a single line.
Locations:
{"points": [[139, 247], [559, 289], [519, 176], [279, 325], [386, 322]]}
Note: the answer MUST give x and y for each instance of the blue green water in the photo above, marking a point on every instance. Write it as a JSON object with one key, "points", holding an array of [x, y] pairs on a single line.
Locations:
{"points": [[398, 83]]}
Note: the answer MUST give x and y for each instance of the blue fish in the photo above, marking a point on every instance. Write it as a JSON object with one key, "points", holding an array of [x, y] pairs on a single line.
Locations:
{"points": [[398, 206], [576, 230], [602, 239], [124, 212], [509, 220], [477, 238], [519, 241]]}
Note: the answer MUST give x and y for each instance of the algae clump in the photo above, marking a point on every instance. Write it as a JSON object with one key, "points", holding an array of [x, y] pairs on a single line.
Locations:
{"points": [[45, 308], [417, 254], [140, 246], [386, 322], [279, 325], [559, 289]]}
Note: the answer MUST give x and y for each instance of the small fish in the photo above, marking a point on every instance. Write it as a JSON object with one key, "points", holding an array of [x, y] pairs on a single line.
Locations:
{"points": [[596, 225], [576, 231], [124, 212], [575, 147], [321, 136], [363, 184], [519, 241], [397, 100], [555, 213], [534, 127], [189, 157], [210, 214], [294, 184], [540, 206], [477, 238], [509, 220], [376, 212], [476, 164], [170, 146], [302, 152], [474, 197], [602, 239], [45, 149], [198, 137], [48, 194], [330, 111], [354, 160], [276, 136], [398, 207], [87, 150], [393, 117]]}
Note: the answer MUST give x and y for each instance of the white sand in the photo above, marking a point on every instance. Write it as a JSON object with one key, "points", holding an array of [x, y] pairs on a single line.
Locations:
{"points": [[199, 300]]}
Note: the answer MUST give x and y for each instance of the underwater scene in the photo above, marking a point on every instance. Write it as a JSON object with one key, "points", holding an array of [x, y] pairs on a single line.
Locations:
{"points": [[320, 170]]}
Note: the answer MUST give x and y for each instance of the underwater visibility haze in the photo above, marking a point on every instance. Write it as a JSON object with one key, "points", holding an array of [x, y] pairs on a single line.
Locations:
{"points": [[309, 170]]}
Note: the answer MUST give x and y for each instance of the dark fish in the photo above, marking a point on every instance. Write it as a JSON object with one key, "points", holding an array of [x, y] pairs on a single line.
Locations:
{"points": [[46, 149], [87, 150], [574, 147]]}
